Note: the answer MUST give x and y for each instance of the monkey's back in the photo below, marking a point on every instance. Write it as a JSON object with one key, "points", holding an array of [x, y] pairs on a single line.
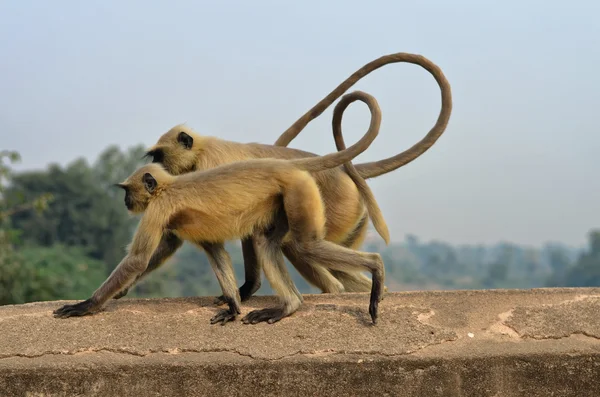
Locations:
{"points": [[229, 201], [343, 203]]}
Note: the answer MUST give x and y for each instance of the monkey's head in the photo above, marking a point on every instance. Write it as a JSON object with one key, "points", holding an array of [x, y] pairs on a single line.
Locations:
{"points": [[176, 150], [143, 185]]}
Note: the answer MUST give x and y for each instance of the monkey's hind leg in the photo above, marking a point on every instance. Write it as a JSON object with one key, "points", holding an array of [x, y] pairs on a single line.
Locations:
{"points": [[270, 257], [304, 209], [354, 281], [315, 274], [336, 257], [220, 261]]}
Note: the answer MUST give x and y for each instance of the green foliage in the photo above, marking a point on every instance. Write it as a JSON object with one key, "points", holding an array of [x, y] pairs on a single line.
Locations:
{"points": [[38, 204], [14, 276], [14, 273], [85, 211], [50, 273]]}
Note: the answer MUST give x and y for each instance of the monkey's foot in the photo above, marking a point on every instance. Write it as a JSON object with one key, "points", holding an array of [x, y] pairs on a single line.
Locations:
{"points": [[374, 306], [224, 316], [79, 309], [270, 315], [121, 294], [246, 291]]}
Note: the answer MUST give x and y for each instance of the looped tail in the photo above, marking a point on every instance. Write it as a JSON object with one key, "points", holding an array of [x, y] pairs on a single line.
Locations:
{"points": [[373, 169], [364, 189], [332, 160]]}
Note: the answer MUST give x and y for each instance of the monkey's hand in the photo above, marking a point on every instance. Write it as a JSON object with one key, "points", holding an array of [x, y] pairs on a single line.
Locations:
{"points": [[270, 315], [78, 309], [226, 315]]}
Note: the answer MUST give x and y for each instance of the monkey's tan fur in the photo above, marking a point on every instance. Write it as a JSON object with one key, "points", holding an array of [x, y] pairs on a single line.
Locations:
{"points": [[344, 194], [263, 198]]}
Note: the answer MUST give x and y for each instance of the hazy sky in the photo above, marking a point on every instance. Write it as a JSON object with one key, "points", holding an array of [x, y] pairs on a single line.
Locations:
{"points": [[518, 161]]}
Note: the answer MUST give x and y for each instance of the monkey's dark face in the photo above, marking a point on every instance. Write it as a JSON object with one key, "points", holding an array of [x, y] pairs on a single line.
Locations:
{"points": [[139, 193], [134, 201], [157, 155], [128, 199], [174, 151]]}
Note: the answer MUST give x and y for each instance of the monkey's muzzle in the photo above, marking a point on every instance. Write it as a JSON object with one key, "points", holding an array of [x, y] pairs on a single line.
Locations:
{"points": [[128, 202]]}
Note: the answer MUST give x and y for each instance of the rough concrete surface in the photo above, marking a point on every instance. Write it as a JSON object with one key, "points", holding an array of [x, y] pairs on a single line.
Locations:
{"points": [[496, 343]]}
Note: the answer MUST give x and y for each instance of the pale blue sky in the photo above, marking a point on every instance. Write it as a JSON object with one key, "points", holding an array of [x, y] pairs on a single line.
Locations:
{"points": [[518, 161]]}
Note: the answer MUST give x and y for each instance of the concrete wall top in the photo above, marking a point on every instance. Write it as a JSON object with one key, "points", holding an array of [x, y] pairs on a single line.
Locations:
{"points": [[542, 342]]}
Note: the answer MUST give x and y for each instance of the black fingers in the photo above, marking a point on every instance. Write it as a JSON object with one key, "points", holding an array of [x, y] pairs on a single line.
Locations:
{"points": [[270, 315], [79, 309], [226, 315], [223, 316]]}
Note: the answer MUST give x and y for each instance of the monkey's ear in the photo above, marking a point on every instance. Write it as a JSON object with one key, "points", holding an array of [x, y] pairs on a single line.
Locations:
{"points": [[149, 182], [185, 140], [121, 185]]}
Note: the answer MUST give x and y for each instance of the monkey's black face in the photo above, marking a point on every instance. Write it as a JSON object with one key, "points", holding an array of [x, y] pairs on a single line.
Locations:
{"points": [[128, 200], [135, 200], [131, 202], [158, 155]]}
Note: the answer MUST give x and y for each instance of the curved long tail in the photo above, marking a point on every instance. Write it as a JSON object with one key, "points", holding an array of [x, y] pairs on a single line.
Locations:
{"points": [[373, 169], [364, 189], [332, 160]]}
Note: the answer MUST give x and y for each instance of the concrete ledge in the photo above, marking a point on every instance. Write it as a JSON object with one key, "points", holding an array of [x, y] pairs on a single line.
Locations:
{"points": [[543, 342]]}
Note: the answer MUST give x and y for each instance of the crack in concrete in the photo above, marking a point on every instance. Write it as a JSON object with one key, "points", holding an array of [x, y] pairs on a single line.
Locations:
{"points": [[552, 337], [249, 355], [122, 351], [500, 326], [507, 329]]}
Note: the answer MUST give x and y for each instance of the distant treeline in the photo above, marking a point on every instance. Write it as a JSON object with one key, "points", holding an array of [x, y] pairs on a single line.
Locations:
{"points": [[64, 229]]}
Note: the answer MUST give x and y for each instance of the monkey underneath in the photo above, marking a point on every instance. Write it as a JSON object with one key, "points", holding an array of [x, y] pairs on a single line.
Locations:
{"points": [[181, 150], [270, 199]]}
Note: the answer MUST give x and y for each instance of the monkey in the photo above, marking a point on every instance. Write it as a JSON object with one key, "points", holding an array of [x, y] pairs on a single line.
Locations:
{"points": [[270, 199], [181, 150]]}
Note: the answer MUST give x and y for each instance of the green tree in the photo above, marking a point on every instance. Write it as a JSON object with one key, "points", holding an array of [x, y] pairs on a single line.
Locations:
{"points": [[114, 165], [86, 211], [497, 274], [61, 272], [14, 275], [559, 264], [586, 271]]}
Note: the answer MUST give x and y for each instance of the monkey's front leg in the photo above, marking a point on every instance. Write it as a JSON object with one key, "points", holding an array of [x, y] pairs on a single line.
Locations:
{"points": [[129, 268], [220, 261], [251, 271], [167, 247], [267, 245]]}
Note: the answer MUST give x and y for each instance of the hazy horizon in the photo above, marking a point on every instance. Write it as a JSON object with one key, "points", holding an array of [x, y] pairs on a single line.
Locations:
{"points": [[516, 163]]}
